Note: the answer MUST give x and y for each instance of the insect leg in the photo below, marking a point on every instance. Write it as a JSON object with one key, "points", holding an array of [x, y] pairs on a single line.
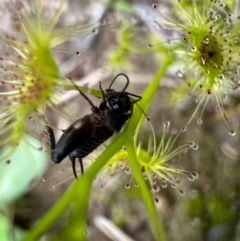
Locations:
{"points": [[73, 158], [137, 96], [51, 136], [73, 166], [94, 108], [81, 165], [135, 102]]}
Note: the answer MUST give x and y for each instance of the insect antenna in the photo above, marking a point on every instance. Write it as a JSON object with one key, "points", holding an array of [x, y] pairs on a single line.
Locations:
{"points": [[83, 95], [117, 77], [135, 102]]}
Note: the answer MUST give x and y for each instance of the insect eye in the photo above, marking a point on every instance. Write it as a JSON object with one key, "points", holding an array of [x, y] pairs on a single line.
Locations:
{"points": [[113, 99]]}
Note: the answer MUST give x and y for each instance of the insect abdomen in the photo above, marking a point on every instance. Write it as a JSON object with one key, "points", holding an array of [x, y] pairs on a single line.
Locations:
{"points": [[91, 144]]}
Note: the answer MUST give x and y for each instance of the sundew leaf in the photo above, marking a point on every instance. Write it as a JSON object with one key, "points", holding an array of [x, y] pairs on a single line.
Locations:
{"points": [[21, 170]]}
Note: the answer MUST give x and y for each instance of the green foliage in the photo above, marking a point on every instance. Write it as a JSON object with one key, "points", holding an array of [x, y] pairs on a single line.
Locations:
{"points": [[206, 65]]}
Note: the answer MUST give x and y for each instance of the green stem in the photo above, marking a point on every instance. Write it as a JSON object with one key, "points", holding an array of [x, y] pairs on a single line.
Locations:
{"points": [[79, 192], [155, 222]]}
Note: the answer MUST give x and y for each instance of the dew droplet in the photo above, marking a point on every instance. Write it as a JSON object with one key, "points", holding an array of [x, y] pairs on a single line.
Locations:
{"points": [[181, 192], [178, 183], [180, 73], [232, 133], [164, 185], [154, 176], [154, 5], [128, 171], [121, 166], [222, 5], [136, 184], [94, 30], [166, 124], [44, 179], [148, 118], [235, 87], [208, 91], [197, 100], [194, 174], [206, 41], [156, 200], [155, 188], [52, 188], [127, 185], [183, 128], [191, 178], [174, 131], [199, 121], [195, 147]]}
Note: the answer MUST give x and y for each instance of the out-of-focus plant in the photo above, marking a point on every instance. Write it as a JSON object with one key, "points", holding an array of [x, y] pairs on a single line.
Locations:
{"points": [[121, 53], [30, 76], [30, 82], [207, 49], [130, 44]]}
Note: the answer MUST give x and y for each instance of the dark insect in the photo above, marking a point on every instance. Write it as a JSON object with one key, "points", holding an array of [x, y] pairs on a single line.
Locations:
{"points": [[87, 133]]}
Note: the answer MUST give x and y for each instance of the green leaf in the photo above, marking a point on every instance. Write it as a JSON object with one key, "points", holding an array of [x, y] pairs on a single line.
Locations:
{"points": [[21, 170]]}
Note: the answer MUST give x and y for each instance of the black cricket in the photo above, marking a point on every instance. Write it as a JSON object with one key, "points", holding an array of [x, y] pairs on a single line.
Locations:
{"points": [[87, 133]]}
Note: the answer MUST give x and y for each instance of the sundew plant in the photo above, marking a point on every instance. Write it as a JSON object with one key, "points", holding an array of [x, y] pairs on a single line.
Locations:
{"points": [[207, 47], [149, 160]]}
